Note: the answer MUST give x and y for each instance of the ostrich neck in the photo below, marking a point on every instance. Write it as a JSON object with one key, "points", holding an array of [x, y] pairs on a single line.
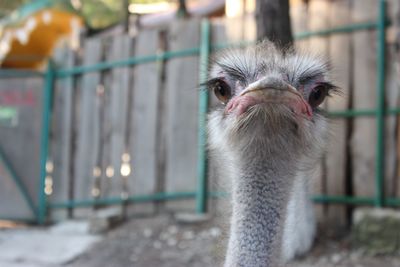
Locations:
{"points": [[259, 197]]}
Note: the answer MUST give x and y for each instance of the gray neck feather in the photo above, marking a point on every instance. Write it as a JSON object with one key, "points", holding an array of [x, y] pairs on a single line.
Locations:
{"points": [[259, 196]]}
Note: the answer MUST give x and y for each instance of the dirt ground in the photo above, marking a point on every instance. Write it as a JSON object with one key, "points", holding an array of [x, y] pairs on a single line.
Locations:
{"points": [[162, 242]]}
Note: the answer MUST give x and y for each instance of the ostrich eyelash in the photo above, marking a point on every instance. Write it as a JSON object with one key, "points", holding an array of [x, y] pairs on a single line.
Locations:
{"points": [[234, 71], [209, 85], [332, 89]]}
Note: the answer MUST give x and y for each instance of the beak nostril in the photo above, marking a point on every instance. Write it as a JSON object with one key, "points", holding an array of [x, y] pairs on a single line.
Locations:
{"points": [[294, 101]]}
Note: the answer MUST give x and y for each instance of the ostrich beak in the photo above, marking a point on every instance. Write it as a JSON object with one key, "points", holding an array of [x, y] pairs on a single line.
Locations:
{"points": [[263, 91], [267, 84]]}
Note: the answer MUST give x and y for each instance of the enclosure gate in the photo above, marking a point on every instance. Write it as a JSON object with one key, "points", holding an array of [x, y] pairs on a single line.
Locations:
{"points": [[41, 209]]}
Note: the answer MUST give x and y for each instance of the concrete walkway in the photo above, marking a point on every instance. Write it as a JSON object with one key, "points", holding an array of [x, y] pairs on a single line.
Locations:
{"points": [[45, 247]]}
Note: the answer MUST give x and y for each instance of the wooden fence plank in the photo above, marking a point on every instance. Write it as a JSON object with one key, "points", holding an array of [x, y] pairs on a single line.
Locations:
{"points": [[363, 140], [182, 106], [105, 122], [104, 125], [234, 29], [120, 49], [299, 19], [340, 55], [392, 90], [88, 128], [61, 146], [241, 28], [144, 117], [319, 19], [392, 101]]}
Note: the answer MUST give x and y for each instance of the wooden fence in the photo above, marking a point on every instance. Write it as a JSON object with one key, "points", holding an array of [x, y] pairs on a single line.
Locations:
{"points": [[130, 130], [133, 130], [349, 166]]}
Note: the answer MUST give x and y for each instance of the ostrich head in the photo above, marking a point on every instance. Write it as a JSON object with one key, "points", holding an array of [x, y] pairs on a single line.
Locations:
{"points": [[271, 98], [269, 127]]}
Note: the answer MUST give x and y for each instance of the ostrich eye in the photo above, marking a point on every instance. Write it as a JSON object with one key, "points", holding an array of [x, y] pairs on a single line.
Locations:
{"points": [[317, 95], [222, 91]]}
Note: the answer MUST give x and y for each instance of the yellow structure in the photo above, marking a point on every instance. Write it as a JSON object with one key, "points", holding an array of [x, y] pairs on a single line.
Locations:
{"points": [[28, 41]]}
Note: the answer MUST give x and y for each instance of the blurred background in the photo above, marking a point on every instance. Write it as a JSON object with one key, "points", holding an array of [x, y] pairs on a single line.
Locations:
{"points": [[103, 159]]}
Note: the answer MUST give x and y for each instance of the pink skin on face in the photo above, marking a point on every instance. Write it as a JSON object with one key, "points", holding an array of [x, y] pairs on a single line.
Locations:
{"points": [[240, 104]]}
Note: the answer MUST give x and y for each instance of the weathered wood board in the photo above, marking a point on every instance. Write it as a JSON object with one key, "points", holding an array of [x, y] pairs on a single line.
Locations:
{"points": [[239, 29], [363, 138], [318, 12], [182, 106], [144, 128], [299, 20], [88, 125], [104, 112], [61, 133], [121, 47], [336, 160], [392, 90]]}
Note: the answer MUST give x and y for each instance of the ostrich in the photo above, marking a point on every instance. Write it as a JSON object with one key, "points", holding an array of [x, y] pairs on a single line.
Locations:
{"points": [[267, 139]]}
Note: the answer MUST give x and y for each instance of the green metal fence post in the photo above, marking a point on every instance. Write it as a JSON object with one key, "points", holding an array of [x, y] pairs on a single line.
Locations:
{"points": [[44, 145], [380, 91], [201, 195]]}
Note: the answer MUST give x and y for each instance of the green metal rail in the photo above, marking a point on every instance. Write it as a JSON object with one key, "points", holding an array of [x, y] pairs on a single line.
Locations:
{"points": [[117, 200], [323, 199], [203, 51], [342, 29]]}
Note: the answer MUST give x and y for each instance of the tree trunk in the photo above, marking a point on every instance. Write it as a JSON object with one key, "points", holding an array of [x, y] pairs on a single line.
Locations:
{"points": [[273, 22], [182, 10]]}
